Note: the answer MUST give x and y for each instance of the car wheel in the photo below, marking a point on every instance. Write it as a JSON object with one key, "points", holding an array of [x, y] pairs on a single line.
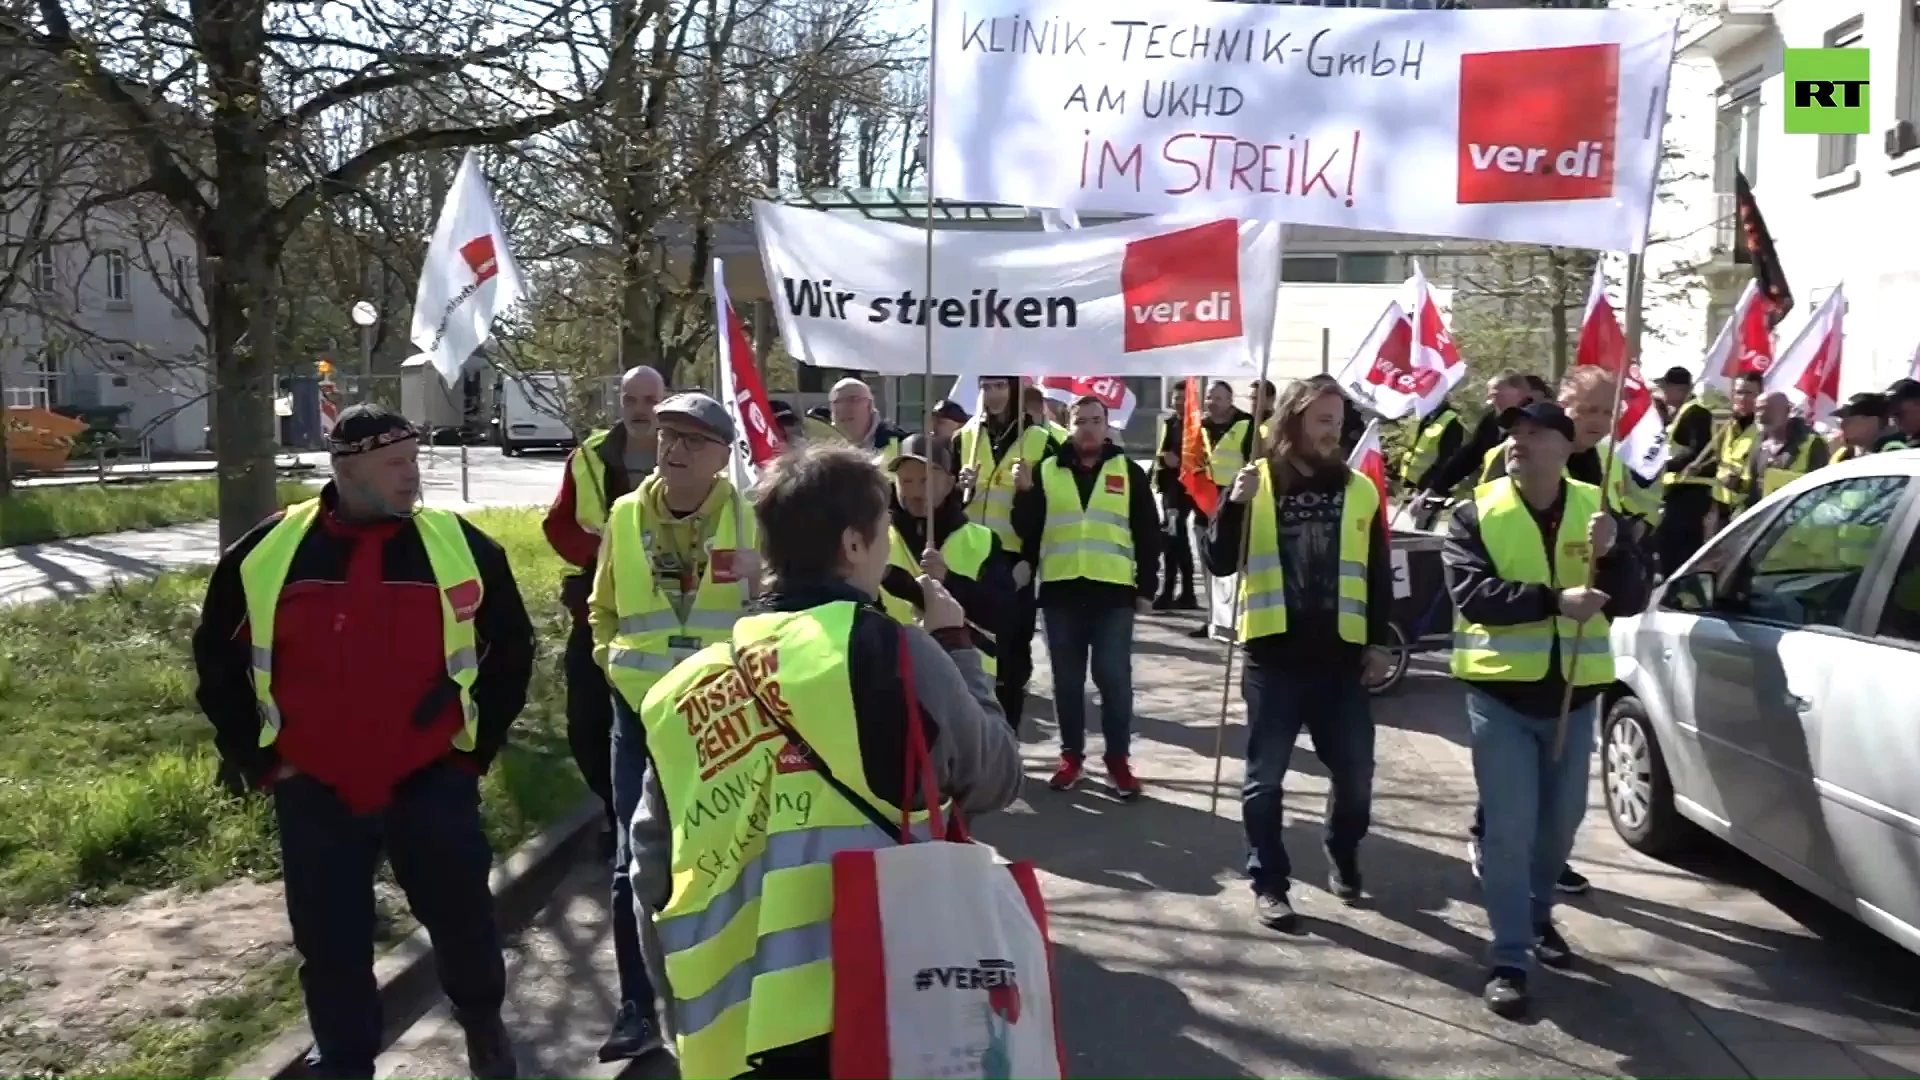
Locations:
{"points": [[508, 449], [1633, 772], [1398, 657]]}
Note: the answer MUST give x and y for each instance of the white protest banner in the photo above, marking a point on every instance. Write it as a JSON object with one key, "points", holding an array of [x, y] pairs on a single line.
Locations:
{"points": [[1525, 126], [1193, 293]]}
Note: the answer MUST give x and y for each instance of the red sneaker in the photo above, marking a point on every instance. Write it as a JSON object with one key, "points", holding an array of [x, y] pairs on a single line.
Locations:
{"points": [[1068, 774], [1121, 775]]}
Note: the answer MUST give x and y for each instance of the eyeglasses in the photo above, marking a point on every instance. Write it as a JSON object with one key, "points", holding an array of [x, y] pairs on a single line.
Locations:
{"points": [[671, 438]]}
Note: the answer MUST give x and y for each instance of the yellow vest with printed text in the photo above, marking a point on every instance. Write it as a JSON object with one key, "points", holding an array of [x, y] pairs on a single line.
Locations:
{"points": [[651, 637], [1094, 540], [746, 935], [1519, 653], [1263, 588], [264, 572], [991, 501], [965, 550]]}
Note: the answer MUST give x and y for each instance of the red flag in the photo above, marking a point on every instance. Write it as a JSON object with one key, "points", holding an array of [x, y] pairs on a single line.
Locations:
{"points": [[1808, 372], [1112, 391], [758, 438], [1368, 460], [1639, 437], [1193, 454]]}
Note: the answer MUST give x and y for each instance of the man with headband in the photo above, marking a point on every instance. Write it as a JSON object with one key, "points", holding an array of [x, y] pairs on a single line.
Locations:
{"points": [[361, 660]]}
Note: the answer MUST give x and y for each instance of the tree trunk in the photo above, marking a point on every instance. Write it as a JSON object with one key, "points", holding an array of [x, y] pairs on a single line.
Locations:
{"points": [[1557, 291], [241, 309]]}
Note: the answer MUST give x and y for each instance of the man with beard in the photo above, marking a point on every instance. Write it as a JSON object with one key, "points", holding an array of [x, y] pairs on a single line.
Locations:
{"points": [[1315, 601], [1787, 450], [1733, 444], [989, 447], [963, 557]]}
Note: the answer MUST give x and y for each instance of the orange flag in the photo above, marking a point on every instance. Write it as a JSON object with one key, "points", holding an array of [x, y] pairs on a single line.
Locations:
{"points": [[1193, 454]]}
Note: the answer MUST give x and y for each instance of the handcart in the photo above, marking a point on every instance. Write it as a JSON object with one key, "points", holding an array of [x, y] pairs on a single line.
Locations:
{"points": [[1422, 616]]}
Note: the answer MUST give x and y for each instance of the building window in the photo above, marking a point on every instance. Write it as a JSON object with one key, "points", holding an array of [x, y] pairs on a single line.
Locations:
{"points": [[43, 270], [1837, 153], [1368, 268], [1737, 139], [1310, 269], [116, 262]]}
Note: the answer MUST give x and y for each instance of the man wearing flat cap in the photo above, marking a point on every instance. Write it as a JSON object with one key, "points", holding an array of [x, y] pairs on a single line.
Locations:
{"points": [[362, 658], [1689, 491], [677, 568]]}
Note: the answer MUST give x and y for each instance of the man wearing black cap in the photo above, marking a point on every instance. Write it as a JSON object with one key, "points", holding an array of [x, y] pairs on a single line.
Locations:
{"points": [[1903, 399], [1863, 427], [362, 660], [792, 429], [1527, 624], [948, 418], [1689, 495], [965, 558], [677, 571]]}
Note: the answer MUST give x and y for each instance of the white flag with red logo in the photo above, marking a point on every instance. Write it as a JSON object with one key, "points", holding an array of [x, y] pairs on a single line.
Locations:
{"points": [[1745, 342], [1808, 372], [1433, 348], [1639, 436], [1112, 391], [1408, 362], [469, 276], [757, 439], [1369, 460]]}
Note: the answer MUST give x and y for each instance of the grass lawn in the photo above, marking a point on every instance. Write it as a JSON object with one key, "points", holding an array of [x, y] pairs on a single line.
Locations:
{"points": [[109, 774], [37, 514]]}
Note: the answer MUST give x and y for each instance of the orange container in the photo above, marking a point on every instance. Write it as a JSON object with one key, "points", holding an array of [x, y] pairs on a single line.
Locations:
{"points": [[38, 440]]}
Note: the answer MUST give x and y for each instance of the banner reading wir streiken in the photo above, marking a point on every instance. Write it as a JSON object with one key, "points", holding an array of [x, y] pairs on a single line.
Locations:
{"points": [[1192, 294], [1523, 126]]}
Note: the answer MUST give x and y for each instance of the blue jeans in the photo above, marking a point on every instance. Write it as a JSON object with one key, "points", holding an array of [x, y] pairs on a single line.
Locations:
{"points": [[1533, 808], [1102, 638], [1333, 708], [629, 773]]}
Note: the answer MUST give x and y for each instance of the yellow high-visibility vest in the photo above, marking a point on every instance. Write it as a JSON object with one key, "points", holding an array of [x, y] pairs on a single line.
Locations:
{"points": [[1773, 479], [1733, 446], [1519, 653], [589, 472], [1673, 426], [1226, 455], [264, 572], [1423, 450], [991, 501], [965, 551], [746, 934], [651, 637], [1093, 541], [1263, 588], [1629, 497]]}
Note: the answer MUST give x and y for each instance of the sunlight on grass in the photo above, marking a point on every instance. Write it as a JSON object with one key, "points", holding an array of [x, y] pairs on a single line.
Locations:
{"points": [[107, 767], [38, 514]]}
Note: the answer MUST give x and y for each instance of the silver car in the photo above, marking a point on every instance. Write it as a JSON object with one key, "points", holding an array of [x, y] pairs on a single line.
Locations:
{"points": [[1770, 695]]}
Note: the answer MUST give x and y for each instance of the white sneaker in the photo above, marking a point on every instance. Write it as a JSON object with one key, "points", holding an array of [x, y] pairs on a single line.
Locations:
{"points": [[1473, 857]]}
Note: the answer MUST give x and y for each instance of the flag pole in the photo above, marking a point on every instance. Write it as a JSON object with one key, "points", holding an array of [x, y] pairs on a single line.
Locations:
{"points": [[926, 299]]}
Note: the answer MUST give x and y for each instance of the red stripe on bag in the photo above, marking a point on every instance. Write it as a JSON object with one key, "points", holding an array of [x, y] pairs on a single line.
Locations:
{"points": [[860, 1048], [1029, 883]]}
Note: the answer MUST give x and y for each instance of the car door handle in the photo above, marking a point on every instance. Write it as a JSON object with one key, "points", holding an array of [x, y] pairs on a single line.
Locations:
{"points": [[1798, 703]]}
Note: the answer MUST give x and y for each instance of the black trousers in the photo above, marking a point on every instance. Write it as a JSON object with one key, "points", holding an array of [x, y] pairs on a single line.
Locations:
{"points": [[1016, 655], [1683, 524], [1176, 555], [589, 715], [431, 835]]}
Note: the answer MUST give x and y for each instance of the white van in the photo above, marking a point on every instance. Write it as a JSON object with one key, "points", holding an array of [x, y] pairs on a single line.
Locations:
{"points": [[530, 412]]}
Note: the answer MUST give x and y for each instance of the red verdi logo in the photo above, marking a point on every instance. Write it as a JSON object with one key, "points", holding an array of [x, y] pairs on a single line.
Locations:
{"points": [[478, 252], [1538, 125], [1182, 287]]}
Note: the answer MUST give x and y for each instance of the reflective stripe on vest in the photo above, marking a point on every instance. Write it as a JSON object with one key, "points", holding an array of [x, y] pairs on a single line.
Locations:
{"points": [[1092, 541], [1733, 447], [589, 473], [965, 551], [263, 573], [1423, 450], [1673, 425], [1773, 479], [1226, 455], [747, 930], [1520, 653], [1263, 590], [991, 501], [650, 637]]}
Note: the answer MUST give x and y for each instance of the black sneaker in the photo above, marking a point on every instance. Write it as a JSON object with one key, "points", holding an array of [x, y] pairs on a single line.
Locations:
{"points": [[1186, 602], [490, 1050], [1201, 634], [1572, 883], [633, 1036], [1506, 992], [1550, 948], [1343, 879], [1163, 603], [1273, 911]]}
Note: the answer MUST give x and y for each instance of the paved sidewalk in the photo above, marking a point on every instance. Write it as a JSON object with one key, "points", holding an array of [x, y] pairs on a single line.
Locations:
{"points": [[1163, 973]]}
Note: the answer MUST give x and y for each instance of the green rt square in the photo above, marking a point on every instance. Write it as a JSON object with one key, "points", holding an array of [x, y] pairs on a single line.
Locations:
{"points": [[1827, 92]]}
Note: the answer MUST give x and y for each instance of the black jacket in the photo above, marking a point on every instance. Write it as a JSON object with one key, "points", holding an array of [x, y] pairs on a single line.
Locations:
{"points": [[1464, 463], [1311, 641], [987, 599], [1481, 596], [1452, 434], [1692, 437], [1143, 521]]}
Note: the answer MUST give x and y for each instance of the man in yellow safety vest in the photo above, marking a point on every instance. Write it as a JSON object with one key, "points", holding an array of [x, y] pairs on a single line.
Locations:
{"points": [[1689, 480], [1531, 611], [1787, 449], [1733, 443], [676, 572], [781, 746], [1089, 514], [1431, 441], [1864, 428], [362, 659]]}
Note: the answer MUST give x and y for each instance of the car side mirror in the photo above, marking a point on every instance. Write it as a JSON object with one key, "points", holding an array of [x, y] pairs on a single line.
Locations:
{"points": [[1691, 592]]}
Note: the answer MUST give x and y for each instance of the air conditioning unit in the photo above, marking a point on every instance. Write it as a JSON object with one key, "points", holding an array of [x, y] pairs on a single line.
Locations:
{"points": [[1902, 139]]}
